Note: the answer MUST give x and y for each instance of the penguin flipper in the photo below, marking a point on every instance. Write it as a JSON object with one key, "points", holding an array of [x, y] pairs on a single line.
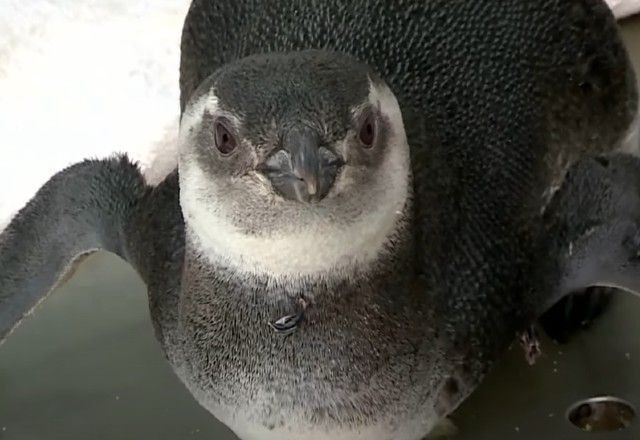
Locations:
{"points": [[81, 209], [576, 312], [593, 229]]}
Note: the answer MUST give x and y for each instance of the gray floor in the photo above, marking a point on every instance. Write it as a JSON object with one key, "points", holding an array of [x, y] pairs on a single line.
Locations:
{"points": [[87, 366]]}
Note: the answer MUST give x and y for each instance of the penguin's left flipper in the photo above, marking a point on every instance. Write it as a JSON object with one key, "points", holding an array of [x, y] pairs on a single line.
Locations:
{"points": [[592, 231], [84, 208], [576, 312]]}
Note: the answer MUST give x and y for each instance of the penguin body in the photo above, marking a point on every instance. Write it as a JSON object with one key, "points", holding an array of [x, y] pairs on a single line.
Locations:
{"points": [[360, 220]]}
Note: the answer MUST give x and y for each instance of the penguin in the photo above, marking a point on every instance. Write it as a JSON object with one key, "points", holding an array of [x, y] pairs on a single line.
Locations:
{"points": [[372, 200]]}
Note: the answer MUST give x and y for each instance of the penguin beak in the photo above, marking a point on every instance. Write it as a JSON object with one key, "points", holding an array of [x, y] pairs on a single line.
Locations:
{"points": [[302, 170]]}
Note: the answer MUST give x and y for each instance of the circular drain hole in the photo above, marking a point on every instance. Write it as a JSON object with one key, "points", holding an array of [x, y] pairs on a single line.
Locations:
{"points": [[601, 414]]}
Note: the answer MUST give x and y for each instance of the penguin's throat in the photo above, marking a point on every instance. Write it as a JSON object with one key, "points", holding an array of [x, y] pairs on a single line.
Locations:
{"points": [[320, 250]]}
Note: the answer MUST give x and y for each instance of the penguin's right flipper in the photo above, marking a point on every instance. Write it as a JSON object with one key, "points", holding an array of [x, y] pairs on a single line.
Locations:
{"points": [[592, 230], [84, 208], [576, 312]]}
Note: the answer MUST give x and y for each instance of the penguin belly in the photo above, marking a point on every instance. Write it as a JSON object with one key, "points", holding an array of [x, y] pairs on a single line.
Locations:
{"points": [[357, 367]]}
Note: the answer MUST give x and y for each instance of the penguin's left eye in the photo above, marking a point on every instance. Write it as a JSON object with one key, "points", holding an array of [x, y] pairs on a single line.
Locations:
{"points": [[367, 134], [226, 141]]}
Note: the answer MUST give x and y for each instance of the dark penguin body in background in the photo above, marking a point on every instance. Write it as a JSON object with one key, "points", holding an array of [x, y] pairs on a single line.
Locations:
{"points": [[498, 101]]}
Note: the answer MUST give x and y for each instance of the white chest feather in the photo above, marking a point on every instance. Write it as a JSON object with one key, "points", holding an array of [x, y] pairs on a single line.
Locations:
{"points": [[299, 250], [409, 430], [419, 426]]}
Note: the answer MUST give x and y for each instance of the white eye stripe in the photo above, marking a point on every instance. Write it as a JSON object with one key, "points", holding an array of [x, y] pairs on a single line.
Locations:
{"points": [[206, 104], [382, 98]]}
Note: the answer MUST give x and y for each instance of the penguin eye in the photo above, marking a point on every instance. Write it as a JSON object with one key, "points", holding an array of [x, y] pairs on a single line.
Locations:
{"points": [[368, 131], [226, 142]]}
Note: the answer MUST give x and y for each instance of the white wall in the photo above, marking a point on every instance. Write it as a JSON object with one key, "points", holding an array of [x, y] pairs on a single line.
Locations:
{"points": [[51, 116]]}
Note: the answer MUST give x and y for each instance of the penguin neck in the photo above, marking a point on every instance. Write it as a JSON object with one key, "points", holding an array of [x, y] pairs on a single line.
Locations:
{"points": [[319, 245]]}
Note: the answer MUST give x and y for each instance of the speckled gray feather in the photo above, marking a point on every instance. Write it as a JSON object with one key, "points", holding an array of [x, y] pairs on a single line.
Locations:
{"points": [[498, 100]]}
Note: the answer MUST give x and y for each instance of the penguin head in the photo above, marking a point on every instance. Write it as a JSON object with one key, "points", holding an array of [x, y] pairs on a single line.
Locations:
{"points": [[302, 155]]}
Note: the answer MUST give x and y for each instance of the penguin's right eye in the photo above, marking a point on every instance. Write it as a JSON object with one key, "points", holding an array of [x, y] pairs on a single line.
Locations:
{"points": [[226, 141]]}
